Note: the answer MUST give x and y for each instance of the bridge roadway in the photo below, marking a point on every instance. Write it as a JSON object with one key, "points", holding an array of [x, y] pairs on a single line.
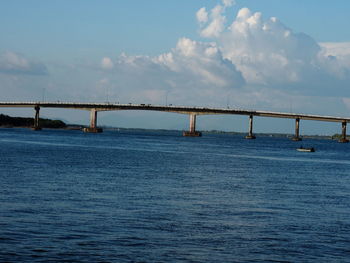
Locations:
{"points": [[192, 111]]}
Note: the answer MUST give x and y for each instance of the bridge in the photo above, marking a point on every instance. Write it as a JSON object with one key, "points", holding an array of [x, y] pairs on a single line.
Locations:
{"points": [[191, 111]]}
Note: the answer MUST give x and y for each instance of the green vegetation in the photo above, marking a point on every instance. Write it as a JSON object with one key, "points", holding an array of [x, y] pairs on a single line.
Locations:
{"points": [[8, 121], [338, 137]]}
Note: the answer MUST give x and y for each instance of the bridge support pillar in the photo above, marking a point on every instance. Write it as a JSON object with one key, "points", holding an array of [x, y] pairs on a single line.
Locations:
{"points": [[296, 136], [250, 133], [36, 126], [93, 123], [192, 132], [343, 135]]}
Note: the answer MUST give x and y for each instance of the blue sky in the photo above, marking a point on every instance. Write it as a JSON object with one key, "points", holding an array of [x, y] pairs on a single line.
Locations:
{"points": [[107, 27], [144, 51]]}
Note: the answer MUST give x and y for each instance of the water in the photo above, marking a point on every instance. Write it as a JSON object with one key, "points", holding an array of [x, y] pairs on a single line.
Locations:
{"points": [[66, 196]]}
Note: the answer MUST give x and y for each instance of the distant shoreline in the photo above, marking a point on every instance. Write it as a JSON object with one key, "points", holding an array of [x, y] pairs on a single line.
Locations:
{"points": [[23, 122], [277, 135]]}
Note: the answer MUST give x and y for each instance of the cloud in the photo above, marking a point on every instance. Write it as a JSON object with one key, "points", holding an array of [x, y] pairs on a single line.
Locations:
{"points": [[338, 57], [191, 71], [216, 25], [228, 3], [107, 63], [259, 61], [269, 54], [13, 63], [202, 61], [336, 48], [202, 15]]}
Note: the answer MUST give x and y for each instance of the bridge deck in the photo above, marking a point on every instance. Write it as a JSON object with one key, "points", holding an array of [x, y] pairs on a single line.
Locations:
{"points": [[175, 109]]}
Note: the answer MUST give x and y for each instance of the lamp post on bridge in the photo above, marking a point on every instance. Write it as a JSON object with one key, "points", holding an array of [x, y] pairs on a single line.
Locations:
{"points": [[166, 97]]}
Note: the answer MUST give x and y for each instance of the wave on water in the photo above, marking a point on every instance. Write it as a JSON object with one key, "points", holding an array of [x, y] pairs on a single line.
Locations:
{"points": [[160, 150]]}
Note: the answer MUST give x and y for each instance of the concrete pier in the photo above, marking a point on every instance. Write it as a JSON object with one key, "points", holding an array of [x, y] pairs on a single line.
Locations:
{"points": [[192, 132], [93, 123], [189, 110], [297, 136], [250, 133], [36, 126], [343, 135]]}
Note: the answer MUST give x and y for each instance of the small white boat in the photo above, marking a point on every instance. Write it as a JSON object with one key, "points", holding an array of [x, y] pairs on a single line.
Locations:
{"points": [[302, 149]]}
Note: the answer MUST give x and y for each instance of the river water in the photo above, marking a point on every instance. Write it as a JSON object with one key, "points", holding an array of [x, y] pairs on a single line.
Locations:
{"points": [[128, 196]]}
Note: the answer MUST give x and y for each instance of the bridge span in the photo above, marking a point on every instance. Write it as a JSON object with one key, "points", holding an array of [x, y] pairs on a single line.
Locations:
{"points": [[191, 111]]}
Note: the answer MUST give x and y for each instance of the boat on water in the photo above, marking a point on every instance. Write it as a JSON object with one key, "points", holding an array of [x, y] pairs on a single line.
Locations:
{"points": [[302, 149]]}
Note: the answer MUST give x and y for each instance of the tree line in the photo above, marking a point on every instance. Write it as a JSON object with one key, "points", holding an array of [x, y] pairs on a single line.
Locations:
{"points": [[9, 121]]}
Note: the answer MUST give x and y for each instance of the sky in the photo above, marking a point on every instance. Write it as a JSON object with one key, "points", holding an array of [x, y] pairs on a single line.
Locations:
{"points": [[277, 55]]}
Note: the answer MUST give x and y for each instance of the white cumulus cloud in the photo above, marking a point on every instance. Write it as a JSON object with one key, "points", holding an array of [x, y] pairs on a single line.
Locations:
{"points": [[266, 51], [192, 71], [253, 59], [269, 54], [202, 61], [214, 26], [202, 15]]}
